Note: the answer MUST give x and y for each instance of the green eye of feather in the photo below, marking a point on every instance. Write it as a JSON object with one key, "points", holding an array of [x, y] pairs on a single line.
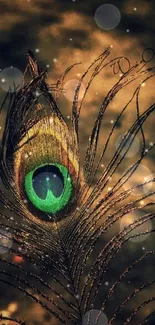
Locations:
{"points": [[49, 187]]}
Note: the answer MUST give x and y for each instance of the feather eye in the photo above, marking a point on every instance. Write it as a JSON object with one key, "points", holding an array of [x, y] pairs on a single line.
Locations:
{"points": [[44, 165], [46, 169]]}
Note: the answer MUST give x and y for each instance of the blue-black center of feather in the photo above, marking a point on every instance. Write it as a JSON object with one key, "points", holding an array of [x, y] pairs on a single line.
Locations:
{"points": [[47, 178]]}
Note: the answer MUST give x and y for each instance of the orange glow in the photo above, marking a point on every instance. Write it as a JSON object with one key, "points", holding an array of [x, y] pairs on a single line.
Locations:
{"points": [[12, 307], [17, 259]]}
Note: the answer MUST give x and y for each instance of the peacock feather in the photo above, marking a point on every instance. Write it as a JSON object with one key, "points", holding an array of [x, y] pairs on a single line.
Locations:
{"points": [[61, 212]]}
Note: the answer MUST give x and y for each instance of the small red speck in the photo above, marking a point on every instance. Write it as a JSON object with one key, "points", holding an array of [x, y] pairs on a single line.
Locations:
{"points": [[17, 259]]}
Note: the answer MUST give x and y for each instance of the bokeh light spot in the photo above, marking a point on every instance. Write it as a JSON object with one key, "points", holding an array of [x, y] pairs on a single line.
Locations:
{"points": [[139, 176], [107, 16], [134, 147], [70, 87], [94, 316], [11, 79], [5, 241], [149, 189], [128, 219]]}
